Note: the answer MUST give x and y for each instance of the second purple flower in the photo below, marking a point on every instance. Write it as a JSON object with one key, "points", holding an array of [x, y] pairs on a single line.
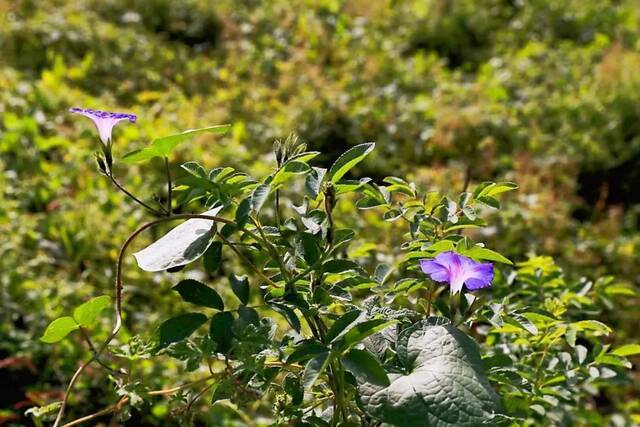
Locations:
{"points": [[458, 270]]}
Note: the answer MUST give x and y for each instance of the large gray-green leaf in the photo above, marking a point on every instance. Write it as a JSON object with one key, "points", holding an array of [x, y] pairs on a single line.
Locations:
{"points": [[180, 246], [443, 383]]}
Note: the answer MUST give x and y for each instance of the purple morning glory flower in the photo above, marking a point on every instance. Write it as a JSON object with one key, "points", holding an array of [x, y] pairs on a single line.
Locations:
{"points": [[458, 270], [104, 121]]}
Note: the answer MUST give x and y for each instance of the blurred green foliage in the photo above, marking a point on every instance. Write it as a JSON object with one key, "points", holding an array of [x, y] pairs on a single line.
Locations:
{"points": [[542, 93]]}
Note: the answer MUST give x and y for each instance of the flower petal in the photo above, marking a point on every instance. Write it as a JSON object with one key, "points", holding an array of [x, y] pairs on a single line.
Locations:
{"points": [[480, 276], [104, 120], [435, 270]]}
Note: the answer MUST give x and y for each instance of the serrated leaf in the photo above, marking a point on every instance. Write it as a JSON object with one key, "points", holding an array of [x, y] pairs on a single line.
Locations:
{"points": [[58, 329], [240, 287], [178, 328], [180, 246], [348, 160], [198, 293], [443, 385], [365, 367], [87, 314]]}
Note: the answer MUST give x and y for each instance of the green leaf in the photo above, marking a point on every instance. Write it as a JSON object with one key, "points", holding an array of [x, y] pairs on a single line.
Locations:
{"points": [[198, 293], [362, 331], [314, 181], [240, 287], [288, 171], [259, 196], [87, 314], [221, 331], [58, 329], [365, 367], [195, 169], [501, 187], [293, 388], [592, 325], [443, 382], [348, 160], [614, 360], [478, 252], [341, 324], [306, 351], [162, 147], [178, 328], [243, 212], [340, 266], [489, 201], [627, 350], [310, 248], [180, 246], [313, 369], [212, 258]]}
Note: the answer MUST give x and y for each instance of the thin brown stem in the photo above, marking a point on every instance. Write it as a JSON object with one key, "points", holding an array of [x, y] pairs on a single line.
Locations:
{"points": [[67, 392], [118, 292], [94, 351], [118, 406], [249, 263], [134, 198], [106, 411]]}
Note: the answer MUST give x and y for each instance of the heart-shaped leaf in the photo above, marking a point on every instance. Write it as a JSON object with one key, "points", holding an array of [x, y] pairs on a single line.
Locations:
{"points": [[180, 246], [443, 384], [58, 329], [87, 313]]}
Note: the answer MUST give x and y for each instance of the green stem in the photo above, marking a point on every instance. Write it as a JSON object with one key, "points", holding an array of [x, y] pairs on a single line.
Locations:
{"points": [[169, 189]]}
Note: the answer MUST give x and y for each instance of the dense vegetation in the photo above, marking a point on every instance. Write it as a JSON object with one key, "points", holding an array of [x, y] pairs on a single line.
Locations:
{"points": [[454, 93]]}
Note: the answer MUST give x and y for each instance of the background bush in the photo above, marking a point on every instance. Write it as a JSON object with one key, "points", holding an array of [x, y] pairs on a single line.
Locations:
{"points": [[542, 93]]}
